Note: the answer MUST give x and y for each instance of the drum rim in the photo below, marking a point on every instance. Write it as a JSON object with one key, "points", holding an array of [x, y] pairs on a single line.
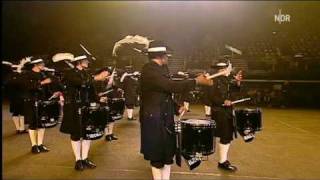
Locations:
{"points": [[117, 99], [95, 138], [204, 153], [210, 122], [248, 109]]}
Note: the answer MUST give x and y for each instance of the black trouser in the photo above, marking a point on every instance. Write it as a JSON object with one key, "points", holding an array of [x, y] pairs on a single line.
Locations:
{"points": [[32, 115], [77, 137], [160, 164], [16, 106], [225, 125], [130, 106]]}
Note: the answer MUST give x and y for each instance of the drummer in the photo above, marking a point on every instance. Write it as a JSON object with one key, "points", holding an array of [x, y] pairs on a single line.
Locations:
{"points": [[114, 94], [158, 108], [104, 94], [78, 94], [16, 99], [205, 96], [34, 83], [221, 108], [130, 84]]}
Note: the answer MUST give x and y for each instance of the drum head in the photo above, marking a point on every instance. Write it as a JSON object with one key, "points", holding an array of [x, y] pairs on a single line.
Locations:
{"points": [[248, 110], [197, 122]]}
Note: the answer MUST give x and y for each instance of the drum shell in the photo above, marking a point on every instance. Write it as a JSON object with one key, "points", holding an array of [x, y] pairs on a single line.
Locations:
{"points": [[248, 119], [49, 112], [95, 119], [197, 139], [117, 106], [41, 116]]}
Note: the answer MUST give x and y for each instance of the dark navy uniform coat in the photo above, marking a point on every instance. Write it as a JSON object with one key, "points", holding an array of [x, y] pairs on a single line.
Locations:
{"points": [[220, 91], [157, 111], [79, 93]]}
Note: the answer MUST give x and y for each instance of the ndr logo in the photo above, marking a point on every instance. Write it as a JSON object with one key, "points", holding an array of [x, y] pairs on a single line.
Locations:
{"points": [[280, 18]]}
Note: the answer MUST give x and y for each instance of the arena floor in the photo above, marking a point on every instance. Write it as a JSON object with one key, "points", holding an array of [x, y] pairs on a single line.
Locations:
{"points": [[286, 148]]}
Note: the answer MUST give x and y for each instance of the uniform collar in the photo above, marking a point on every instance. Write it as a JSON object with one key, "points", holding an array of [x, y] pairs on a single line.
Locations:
{"points": [[157, 64]]}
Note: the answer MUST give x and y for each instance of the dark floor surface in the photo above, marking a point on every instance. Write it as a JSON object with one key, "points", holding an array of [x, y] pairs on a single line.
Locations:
{"points": [[286, 148]]}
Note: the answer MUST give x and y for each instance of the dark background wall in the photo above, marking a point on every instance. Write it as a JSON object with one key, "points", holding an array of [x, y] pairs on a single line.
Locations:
{"points": [[30, 28], [197, 31]]}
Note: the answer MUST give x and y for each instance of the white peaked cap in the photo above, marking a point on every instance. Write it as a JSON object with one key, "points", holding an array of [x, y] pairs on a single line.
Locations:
{"points": [[222, 64], [36, 61], [78, 58], [62, 56]]}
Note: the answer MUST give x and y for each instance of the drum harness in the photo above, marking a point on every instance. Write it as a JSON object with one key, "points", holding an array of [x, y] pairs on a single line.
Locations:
{"points": [[178, 139], [38, 101], [233, 111], [82, 91]]}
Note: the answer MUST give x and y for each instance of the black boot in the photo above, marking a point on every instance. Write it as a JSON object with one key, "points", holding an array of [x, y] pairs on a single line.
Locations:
{"points": [[43, 148], [88, 164], [108, 137], [113, 137], [35, 149], [227, 166], [79, 165]]}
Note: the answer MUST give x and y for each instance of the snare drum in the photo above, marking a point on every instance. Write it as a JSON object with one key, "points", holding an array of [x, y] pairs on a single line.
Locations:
{"points": [[117, 106], [248, 121], [95, 119], [49, 113], [197, 137]]}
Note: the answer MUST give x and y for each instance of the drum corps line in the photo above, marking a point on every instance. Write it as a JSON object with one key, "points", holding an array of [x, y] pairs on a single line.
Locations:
{"points": [[88, 101]]}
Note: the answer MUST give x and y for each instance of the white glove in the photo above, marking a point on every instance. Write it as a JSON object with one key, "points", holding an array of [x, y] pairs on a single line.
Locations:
{"points": [[136, 73]]}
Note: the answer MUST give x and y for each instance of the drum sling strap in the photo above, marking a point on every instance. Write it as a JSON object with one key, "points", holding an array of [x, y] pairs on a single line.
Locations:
{"points": [[177, 133], [234, 123], [178, 144]]}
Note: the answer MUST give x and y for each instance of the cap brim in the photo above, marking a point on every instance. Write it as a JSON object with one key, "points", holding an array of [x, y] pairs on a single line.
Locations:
{"points": [[218, 67]]}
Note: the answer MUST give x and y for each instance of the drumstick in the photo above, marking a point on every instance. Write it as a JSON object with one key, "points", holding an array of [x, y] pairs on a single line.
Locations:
{"points": [[106, 92], [10, 64], [226, 71], [111, 79], [138, 50], [216, 75], [182, 113], [15, 66], [239, 101], [53, 96], [87, 52], [7, 63]]}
